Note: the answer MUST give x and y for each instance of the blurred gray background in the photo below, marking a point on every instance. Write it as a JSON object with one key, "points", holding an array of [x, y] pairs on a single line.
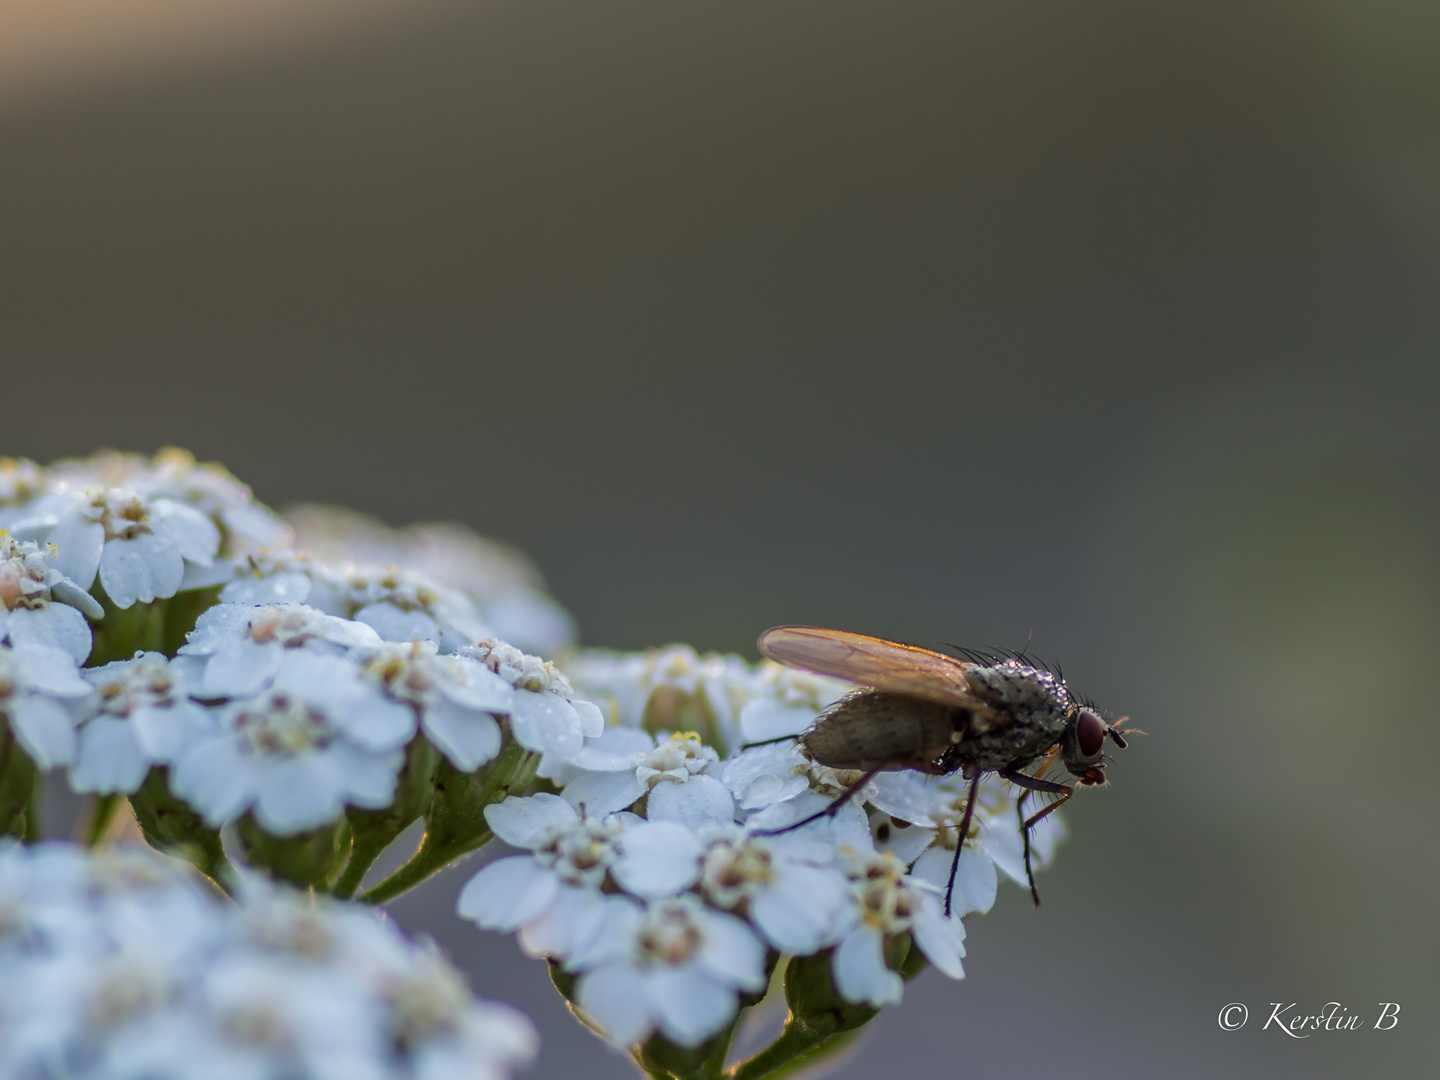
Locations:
{"points": [[1110, 323]]}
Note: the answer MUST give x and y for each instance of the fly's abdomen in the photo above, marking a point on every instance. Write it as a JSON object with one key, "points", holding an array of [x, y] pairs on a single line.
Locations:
{"points": [[871, 729]]}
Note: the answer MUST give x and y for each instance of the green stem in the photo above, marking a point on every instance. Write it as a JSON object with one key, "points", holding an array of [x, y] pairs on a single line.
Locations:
{"points": [[102, 813], [793, 1042], [32, 835], [363, 853], [429, 858]]}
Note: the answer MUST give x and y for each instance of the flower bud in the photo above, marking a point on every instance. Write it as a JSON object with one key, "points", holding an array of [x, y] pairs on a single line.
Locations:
{"points": [[304, 859], [169, 825]]}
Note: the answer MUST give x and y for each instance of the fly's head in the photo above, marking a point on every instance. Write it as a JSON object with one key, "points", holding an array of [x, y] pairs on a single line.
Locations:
{"points": [[1082, 745]]}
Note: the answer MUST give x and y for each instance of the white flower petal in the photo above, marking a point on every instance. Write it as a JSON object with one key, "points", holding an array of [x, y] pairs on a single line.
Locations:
{"points": [[592, 720], [52, 670], [205, 575], [692, 1007], [942, 940], [109, 758], [392, 624], [1000, 839], [370, 777], [616, 998], [765, 775], [80, 543], [166, 732], [524, 822], [860, 972], [975, 879], [45, 729], [908, 796], [507, 893], [906, 842], [289, 587], [609, 933], [241, 667], [701, 800], [731, 952], [298, 793], [547, 722], [141, 569], [217, 626], [467, 737], [800, 912], [614, 750], [215, 778], [185, 529], [764, 718], [475, 686], [372, 721], [657, 858], [604, 793], [67, 592], [573, 925], [56, 625]]}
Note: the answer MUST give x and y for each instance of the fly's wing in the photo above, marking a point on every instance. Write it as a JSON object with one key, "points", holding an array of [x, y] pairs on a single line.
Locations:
{"points": [[874, 662]]}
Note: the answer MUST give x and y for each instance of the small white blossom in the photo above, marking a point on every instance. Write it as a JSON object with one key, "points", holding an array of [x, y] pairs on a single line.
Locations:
{"points": [[886, 902], [117, 965], [932, 808], [174, 474], [139, 715], [674, 965], [241, 647], [400, 603], [37, 682], [553, 895], [454, 696], [38, 604], [675, 775], [545, 715], [775, 882], [320, 737]]}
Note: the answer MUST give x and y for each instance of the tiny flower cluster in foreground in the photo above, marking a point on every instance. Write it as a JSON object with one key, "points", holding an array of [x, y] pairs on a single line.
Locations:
{"points": [[120, 964]]}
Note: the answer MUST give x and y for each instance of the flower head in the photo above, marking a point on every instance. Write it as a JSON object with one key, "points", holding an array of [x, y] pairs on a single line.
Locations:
{"points": [[318, 738], [37, 683], [38, 604], [139, 715], [673, 965]]}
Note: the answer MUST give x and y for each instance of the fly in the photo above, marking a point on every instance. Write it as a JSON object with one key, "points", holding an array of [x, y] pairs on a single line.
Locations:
{"points": [[937, 714]]}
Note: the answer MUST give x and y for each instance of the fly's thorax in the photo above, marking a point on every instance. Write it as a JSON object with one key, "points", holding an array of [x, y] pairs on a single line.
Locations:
{"points": [[871, 729], [1026, 696]]}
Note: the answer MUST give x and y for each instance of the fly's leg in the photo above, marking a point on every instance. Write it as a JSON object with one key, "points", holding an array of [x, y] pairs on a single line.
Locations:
{"points": [[1033, 783], [829, 811], [960, 840]]}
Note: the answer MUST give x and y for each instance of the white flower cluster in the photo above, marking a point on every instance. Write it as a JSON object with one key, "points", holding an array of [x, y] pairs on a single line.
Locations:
{"points": [[120, 966], [146, 528], [653, 877], [283, 711], [316, 710]]}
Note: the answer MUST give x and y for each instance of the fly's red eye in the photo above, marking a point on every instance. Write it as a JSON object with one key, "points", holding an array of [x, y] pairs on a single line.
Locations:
{"points": [[1089, 733]]}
